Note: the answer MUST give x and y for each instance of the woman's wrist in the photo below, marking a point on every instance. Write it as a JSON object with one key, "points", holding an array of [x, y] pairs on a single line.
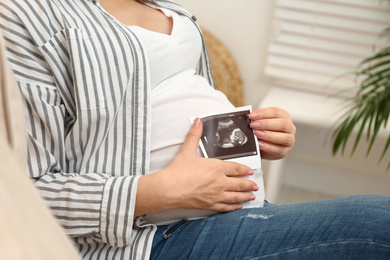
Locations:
{"points": [[152, 195]]}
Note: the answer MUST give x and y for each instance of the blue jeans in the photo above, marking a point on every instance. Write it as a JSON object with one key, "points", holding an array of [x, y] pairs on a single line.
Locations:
{"points": [[356, 227]]}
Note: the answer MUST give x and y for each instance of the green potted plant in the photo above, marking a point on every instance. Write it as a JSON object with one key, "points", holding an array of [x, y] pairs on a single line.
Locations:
{"points": [[369, 110]]}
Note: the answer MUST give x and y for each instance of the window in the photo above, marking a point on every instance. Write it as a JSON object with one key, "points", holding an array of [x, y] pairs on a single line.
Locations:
{"points": [[315, 41]]}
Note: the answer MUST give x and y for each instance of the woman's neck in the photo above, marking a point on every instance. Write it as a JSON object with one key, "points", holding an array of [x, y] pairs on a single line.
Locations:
{"points": [[135, 13]]}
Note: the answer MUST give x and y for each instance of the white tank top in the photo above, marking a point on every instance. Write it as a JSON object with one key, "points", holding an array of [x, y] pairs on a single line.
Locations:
{"points": [[177, 95]]}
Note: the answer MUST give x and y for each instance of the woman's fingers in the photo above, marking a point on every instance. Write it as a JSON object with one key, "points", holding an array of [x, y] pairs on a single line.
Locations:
{"points": [[272, 151], [233, 169], [269, 112], [237, 197], [275, 131], [284, 125], [276, 138], [279, 138], [192, 140], [232, 201], [225, 207], [272, 119], [240, 185]]}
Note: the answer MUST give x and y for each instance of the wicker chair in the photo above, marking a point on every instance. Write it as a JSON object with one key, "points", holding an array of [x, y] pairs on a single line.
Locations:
{"points": [[224, 68]]}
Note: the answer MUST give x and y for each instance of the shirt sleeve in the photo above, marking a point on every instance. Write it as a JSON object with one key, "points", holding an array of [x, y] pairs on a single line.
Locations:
{"points": [[86, 204]]}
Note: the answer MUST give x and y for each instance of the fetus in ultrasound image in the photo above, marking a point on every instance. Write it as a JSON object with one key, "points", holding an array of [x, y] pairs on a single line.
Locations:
{"points": [[228, 136]]}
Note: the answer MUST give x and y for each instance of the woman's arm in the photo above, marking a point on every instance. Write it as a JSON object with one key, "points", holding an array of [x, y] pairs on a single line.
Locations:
{"points": [[86, 202]]}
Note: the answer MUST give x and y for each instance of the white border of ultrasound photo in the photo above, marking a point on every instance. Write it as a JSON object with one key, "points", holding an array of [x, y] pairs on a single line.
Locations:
{"points": [[247, 154]]}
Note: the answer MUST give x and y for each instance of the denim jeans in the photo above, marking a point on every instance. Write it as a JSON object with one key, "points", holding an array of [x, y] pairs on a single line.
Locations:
{"points": [[356, 227]]}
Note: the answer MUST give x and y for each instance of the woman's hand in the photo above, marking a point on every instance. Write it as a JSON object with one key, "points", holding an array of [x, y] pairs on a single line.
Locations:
{"points": [[192, 182], [275, 130]]}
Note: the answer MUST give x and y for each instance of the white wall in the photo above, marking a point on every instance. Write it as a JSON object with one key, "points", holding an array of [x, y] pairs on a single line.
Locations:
{"points": [[243, 26]]}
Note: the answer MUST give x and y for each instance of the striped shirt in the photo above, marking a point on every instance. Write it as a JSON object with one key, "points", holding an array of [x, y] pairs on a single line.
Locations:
{"points": [[86, 88]]}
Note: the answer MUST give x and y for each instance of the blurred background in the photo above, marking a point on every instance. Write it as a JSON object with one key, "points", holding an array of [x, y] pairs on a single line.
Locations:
{"points": [[291, 54]]}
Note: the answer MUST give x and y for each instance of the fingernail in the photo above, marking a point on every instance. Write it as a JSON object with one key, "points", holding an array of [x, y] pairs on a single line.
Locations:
{"points": [[252, 197], [259, 133], [196, 123], [255, 188], [251, 172], [261, 144], [239, 206], [253, 116], [256, 124]]}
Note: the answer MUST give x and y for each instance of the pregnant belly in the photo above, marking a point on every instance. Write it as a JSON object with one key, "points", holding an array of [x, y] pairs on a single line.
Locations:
{"points": [[172, 106], [173, 103]]}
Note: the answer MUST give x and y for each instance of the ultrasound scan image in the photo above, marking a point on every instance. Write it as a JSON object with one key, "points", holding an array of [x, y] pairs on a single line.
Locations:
{"points": [[228, 136]]}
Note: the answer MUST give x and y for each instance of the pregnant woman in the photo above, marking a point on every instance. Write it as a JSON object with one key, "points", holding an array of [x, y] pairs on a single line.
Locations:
{"points": [[108, 87]]}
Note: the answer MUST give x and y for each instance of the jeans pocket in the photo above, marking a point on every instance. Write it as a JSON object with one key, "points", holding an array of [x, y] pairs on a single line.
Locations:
{"points": [[173, 227]]}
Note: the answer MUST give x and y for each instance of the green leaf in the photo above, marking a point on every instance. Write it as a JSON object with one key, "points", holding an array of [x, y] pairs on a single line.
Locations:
{"points": [[368, 114], [377, 125], [369, 110], [384, 151]]}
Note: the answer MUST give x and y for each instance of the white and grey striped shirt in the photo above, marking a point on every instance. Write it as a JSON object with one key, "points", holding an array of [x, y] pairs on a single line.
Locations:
{"points": [[87, 90]]}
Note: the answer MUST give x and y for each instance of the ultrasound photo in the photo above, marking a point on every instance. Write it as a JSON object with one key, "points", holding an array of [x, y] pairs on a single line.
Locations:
{"points": [[228, 135]]}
